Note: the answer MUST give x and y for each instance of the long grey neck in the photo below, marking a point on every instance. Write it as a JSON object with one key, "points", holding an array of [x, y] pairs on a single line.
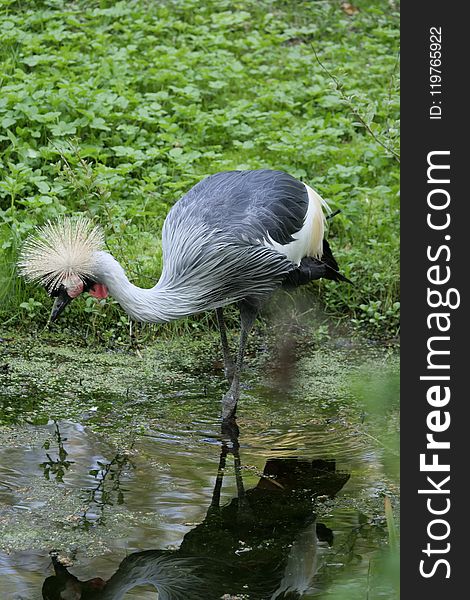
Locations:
{"points": [[151, 305]]}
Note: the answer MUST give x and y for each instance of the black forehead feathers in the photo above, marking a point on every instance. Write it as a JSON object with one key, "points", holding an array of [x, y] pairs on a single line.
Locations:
{"points": [[55, 291]]}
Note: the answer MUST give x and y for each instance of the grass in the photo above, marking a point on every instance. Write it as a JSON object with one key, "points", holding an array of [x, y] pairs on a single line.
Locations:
{"points": [[115, 109]]}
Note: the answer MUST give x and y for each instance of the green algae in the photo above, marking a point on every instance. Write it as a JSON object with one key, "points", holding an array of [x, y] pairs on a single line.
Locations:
{"points": [[40, 381]]}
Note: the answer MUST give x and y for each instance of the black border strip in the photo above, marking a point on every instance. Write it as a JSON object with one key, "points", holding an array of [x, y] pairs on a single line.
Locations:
{"points": [[422, 410]]}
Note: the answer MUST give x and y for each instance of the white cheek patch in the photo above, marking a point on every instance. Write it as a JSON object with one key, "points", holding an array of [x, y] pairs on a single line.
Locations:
{"points": [[74, 286]]}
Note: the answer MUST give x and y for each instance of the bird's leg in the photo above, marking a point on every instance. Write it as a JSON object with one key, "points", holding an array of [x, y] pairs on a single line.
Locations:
{"points": [[230, 443], [229, 365], [215, 502], [248, 313]]}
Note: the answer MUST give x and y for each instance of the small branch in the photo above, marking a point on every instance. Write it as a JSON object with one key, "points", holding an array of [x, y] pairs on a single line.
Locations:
{"points": [[356, 113]]}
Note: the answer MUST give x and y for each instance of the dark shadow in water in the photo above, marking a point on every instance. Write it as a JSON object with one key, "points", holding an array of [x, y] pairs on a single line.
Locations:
{"points": [[262, 544]]}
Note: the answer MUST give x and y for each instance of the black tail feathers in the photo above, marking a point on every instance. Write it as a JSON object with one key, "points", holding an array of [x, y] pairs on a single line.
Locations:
{"points": [[329, 260], [314, 268]]}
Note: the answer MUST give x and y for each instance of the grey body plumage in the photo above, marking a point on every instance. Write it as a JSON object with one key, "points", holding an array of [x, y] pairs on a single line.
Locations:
{"points": [[234, 237], [250, 203], [214, 239]]}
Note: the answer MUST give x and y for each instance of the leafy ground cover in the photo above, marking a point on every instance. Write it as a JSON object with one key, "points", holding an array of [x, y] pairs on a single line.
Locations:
{"points": [[115, 109]]}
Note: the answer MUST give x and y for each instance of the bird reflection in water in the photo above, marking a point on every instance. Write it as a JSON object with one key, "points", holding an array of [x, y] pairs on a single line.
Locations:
{"points": [[263, 545]]}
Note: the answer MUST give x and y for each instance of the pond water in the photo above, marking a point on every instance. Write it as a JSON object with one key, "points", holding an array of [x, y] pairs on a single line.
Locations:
{"points": [[116, 479]]}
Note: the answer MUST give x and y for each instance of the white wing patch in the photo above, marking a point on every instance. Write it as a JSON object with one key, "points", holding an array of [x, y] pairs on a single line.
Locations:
{"points": [[308, 241]]}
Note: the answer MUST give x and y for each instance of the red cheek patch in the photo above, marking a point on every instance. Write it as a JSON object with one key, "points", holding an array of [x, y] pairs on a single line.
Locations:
{"points": [[98, 290]]}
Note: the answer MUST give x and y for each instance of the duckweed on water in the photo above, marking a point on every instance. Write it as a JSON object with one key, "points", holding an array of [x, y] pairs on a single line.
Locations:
{"points": [[42, 381]]}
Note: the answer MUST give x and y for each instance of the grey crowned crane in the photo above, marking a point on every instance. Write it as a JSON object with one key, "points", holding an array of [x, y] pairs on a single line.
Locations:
{"points": [[235, 237]]}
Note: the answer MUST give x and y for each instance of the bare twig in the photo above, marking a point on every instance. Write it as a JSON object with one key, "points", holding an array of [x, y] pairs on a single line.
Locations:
{"points": [[355, 111]]}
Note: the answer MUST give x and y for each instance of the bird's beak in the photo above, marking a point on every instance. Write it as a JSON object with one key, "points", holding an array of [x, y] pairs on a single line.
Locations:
{"points": [[60, 303]]}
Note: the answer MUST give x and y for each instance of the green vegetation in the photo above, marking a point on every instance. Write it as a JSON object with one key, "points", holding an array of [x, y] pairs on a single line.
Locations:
{"points": [[115, 109]]}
